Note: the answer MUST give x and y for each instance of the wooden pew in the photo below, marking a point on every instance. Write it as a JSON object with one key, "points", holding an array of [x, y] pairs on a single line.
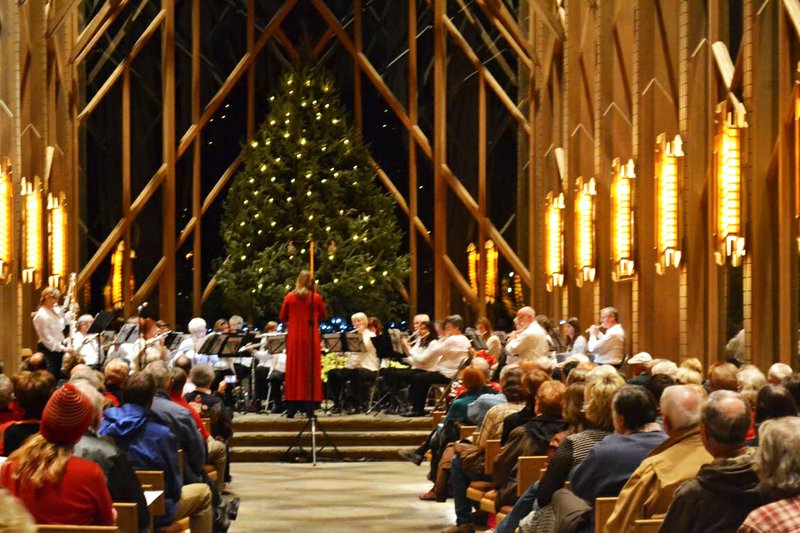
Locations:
{"points": [[58, 528], [529, 471], [127, 517], [477, 489], [603, 507], [466, 431], [650, 525], [207, 424], [437, 417]]}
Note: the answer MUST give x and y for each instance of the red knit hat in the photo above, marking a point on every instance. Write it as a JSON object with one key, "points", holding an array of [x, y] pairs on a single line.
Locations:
{"points": [[66, 416]]}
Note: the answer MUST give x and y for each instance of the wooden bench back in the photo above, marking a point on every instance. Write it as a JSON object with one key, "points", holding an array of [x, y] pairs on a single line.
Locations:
{"points": [[492, 451], [603, 507], [437, 417], [466, 431], [651, 525], [58, 528], [153, 480], [529, 471], [127, 517]]}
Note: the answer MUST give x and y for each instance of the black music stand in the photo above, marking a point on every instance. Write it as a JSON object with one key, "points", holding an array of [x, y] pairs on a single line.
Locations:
{"points": [[99, 325], [476, 339]]}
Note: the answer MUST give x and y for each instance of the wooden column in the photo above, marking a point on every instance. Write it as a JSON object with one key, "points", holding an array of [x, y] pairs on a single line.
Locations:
{"points": [[412, 160], [167, 285], [441, 279], [197, 206], [482, 197], [127, 264]]}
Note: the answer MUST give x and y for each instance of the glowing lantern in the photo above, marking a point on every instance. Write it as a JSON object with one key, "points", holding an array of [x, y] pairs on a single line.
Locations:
{"points": [[728, 186], [491, 271], [622, 209], [32, 234], [554, 231], [6, 229], [57, 239], [668, 176], [584, 229]]}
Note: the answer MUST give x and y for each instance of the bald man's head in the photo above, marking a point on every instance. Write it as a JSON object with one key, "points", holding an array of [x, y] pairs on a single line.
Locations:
{"points": [[680, 407], [524, 317], [419, 320]]}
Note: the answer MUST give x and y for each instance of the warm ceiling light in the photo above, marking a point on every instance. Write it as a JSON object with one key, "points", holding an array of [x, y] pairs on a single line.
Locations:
{"points": [[472, 266], [728, 189], [491, 271], [554, 231], [6, 230], [32, 258], [622, 209], [584, 229], [117, 258], [669, 171], [57, 238]]}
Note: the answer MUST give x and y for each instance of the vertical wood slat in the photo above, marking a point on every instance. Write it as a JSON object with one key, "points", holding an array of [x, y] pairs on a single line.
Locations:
{"points": [[357, 41], [441, 279], [168, 279], [127, 265], [482, 196], [197, 263], [412, 158]]}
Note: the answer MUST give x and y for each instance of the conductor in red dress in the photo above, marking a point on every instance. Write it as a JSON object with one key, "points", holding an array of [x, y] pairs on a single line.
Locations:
{"points": [[303, 355]]}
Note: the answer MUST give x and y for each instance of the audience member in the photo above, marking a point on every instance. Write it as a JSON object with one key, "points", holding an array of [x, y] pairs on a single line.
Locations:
{"points": [[116, 372], [8, 413], [123, 485], [665, 368], [14, 518], [725, 490], [693, 363], [34, 362], [150, 445], [185, 364], [637, 367], [686, 376], [722, 376], [778, 373], [778, 465], [772, 401], [32, 390], [56, 486], [477, 410], [531, 382], [749, 381], [650, 488]]}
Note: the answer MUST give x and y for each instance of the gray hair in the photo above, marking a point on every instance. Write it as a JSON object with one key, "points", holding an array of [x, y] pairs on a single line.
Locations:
{"points": [[97, 399], [668, 368], [6, 391], [725, 423], [610, 311], [236, 322], [88, 375], [750, 380], [779, 372], [202, 376], [681, 405], [778, 456], [483, 365], [83, 319], [456, 321], [160, 373]]}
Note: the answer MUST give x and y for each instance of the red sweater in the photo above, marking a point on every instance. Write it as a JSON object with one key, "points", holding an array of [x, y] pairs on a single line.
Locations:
{"points": [[81, 497], [180, 400]]}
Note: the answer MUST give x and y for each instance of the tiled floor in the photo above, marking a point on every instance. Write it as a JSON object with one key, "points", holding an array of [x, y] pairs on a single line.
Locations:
{"points": [[335, 498]]}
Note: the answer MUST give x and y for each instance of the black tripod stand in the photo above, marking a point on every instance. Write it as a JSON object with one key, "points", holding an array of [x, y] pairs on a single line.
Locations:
{"points": [[312, 421]]}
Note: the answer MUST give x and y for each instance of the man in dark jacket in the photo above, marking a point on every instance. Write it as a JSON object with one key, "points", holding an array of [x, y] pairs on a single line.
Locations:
{"points": [[150, 445], [726, 490], [121, 479]]}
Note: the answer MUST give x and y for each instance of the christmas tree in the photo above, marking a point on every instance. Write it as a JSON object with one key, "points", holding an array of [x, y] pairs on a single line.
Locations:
{"points": [[306, 177]]}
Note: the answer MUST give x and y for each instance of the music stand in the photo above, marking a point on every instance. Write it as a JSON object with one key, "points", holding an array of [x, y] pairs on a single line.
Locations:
{"points": [[276, 342], [354, 342], [174, 340], [476, 339], [127, 333], [333, 342], [230, 348], [99, 325]]}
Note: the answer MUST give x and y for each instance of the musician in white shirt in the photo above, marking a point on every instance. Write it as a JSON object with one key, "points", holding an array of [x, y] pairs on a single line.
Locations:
{"points": [[361, 368], [49, 323], [198, 331], [608, 347], [451, 350], [86, 346], [148, 347], [529, 340], [271, 370]]}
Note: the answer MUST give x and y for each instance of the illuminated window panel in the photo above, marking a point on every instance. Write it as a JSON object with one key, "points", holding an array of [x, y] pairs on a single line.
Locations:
{"points": [[554, 229], [57, 239], [32, 235], [622, 209], [491, 270], [728, 187], [472, 266], [584, 229], [668, 175], [6, 229]]}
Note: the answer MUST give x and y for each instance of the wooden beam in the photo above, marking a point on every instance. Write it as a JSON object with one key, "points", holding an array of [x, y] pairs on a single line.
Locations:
{"points": [[722, 58], [152, 281], [323, 42], [167, 299], [461, 284], [792, 8], [95, 28], [483, 198], [496, 11], [127, 263], [440, 278], [197, 246], [472, 57], [144, 38], [412, 160], [287, 43], [209, 289], [235, 75], [549, 19]]}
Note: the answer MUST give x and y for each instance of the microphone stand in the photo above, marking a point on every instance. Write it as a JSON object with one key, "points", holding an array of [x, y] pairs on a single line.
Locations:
{"points": [[312, 421]]}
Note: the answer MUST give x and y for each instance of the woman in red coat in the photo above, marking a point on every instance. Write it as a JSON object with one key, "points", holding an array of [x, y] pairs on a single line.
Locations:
{"points": [[303, 364]]}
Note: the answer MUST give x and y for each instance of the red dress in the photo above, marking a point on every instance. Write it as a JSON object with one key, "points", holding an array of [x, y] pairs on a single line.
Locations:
{"points": [[296, 313]]}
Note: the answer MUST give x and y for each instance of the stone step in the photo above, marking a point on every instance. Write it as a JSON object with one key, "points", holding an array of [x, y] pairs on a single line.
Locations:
{"points": [[250, 422], [341, 438], [264, 454]]}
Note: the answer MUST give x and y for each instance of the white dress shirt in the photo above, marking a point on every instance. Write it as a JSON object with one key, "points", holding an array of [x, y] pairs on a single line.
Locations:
{"points": [[423, 358], [49, 326], [451, 351], [86, 348], [368, 359], [608, 347], [528, 344]]}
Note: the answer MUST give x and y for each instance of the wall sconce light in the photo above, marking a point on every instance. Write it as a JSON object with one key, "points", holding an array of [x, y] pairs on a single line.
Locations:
{"points": [[669, 180], [584, 229], [728, 186], [6, 218], [57, 238], [31, 193], [622, 210], [554, 230], [491, 271], [472, 266]]}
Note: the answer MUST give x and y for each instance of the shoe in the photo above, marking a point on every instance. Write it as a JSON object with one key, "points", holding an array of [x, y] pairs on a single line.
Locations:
{"points": [[461, 528], [412, 457], [233, 508], [414, 414], [429, 496]]}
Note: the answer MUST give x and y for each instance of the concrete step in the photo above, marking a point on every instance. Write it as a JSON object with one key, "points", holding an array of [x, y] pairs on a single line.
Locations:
{"points": [[264, 454], [341, 438], [248, 422]]}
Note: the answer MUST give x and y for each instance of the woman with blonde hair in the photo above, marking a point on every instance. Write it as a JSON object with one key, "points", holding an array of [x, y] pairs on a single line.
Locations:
{"points": [[55, 486], [301, 311], [484, 328], [50, 321]]}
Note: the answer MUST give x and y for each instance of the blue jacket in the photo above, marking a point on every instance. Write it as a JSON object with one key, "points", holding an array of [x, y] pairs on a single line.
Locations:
{"points": [[180, 422], [149, 445]]}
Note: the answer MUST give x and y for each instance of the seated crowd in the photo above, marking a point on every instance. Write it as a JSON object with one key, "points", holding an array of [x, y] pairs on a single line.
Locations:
{"points": [[691, 449], [70, 448]]}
